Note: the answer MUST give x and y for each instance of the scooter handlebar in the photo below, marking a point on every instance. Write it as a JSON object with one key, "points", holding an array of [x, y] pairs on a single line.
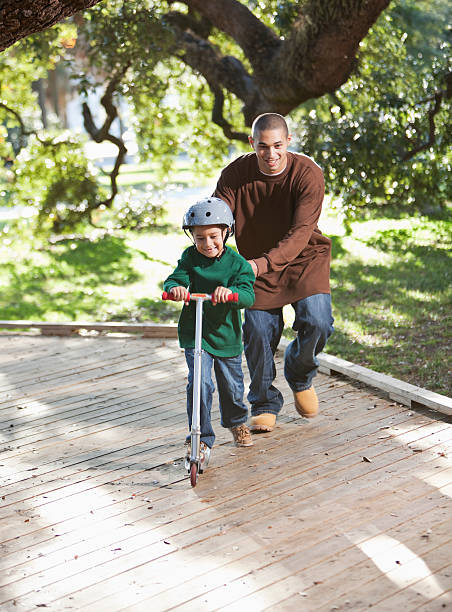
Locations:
{"points": [[167, 295]]}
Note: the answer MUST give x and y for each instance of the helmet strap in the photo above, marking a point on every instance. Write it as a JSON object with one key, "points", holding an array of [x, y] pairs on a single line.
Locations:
{"points": [[226, 236], [189, 235]]}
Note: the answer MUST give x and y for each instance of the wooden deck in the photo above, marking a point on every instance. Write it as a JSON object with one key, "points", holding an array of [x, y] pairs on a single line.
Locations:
{"points": [[346, 512]]}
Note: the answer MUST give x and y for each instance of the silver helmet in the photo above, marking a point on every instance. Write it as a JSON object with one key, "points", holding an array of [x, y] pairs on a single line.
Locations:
{"points": [[209, 211]]}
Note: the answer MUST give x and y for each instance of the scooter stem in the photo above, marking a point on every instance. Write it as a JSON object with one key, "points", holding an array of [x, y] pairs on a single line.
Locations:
{"points": [[196, 425]]}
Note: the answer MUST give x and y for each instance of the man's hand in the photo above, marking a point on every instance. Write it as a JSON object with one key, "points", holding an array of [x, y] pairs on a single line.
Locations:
{"points": [[220, 295], [253, 265], [179, 293]]}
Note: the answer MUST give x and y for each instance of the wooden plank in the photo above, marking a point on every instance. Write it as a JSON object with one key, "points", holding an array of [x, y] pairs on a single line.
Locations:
{"points": [[328, 582], [202, 596], [113, 492], [85, 371], [23, 410], [327, 426], [362, 432], [183, 568], [143, 542], [117, 384], [50, 497], [149, 330], [398, 390], [132, 490], [438, 604]]}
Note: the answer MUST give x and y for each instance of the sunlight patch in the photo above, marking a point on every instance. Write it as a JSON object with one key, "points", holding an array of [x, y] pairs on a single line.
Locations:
{"points": [[400, 564]]}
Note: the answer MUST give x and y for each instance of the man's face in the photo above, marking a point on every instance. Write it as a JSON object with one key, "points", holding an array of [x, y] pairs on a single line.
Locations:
{"points": [[271, 150], [209, 239]]}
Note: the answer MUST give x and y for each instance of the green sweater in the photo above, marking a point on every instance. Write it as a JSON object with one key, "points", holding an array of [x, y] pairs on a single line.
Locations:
{"points": [[222, 331]]}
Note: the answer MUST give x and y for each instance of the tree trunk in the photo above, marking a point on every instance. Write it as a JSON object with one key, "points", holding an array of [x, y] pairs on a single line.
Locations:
{"points": [[20, 18]]}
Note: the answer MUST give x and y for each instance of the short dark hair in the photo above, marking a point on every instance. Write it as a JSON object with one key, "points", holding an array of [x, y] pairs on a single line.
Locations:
{"points": [[269, 121]]}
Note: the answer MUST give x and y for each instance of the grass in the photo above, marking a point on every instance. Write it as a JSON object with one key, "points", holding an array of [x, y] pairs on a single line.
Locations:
{"points": [[139, 176], [390, 285]]}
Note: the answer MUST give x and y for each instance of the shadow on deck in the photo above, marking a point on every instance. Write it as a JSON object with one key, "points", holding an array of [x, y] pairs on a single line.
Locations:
{"points": [[345, 512]]}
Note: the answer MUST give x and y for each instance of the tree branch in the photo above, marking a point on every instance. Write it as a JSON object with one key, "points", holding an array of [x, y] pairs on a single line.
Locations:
{"points": [[317, 57], [19, 19], [23, 130], [221, 72], [103, 133], [258, 41], [320, 53], [218, 118], [437, 97]]}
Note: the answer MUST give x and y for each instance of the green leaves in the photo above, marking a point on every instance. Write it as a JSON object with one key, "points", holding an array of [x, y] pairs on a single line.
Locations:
{"points": [[382, 139]]}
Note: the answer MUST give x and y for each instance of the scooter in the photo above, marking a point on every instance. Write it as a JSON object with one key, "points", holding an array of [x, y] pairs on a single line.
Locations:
{"points": [[195, 433]]}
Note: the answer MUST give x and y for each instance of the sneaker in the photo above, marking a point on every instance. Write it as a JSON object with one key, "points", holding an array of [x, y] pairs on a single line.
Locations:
{"points": [[204, 456], [242, 435]]}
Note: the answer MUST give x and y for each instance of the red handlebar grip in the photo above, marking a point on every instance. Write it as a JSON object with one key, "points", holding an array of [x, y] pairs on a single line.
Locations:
{"points": [[233, 297], [167, 295]]}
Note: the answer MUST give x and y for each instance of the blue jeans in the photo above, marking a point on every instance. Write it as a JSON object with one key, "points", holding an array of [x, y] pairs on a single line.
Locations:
{"points": [[229, 377], [262, 330]]}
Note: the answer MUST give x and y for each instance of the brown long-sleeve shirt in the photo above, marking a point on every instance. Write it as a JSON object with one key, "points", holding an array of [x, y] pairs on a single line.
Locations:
{"points": [[276, 225]]}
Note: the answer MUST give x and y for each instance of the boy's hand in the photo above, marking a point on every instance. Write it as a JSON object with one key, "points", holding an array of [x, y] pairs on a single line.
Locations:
{"points": [[220, 295], [179, 293]]}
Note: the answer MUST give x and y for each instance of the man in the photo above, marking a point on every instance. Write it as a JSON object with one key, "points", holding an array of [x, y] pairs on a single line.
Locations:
{"points": [[276, 197]]}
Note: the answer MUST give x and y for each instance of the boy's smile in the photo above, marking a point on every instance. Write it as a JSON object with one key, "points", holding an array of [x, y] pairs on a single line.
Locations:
{"points": [[209, 239]]}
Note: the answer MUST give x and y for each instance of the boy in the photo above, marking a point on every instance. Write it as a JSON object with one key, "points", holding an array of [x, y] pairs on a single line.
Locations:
{"points": [[211, 267]]}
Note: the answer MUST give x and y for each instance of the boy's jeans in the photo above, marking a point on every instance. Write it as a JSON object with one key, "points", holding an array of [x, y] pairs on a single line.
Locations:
{"points": [[229, 377], [262, 330]]}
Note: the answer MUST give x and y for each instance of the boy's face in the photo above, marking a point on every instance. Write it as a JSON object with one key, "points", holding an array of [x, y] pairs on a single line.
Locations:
{"points": [[209, 239], [271, 150]]}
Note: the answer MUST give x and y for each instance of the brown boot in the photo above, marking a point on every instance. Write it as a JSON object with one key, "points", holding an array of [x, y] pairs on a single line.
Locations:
{"points": [[242, 435], [306, 402], [263, 422]]}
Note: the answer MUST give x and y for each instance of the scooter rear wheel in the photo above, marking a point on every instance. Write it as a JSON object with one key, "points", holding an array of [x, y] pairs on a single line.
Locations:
{"points": [[193, 474]]}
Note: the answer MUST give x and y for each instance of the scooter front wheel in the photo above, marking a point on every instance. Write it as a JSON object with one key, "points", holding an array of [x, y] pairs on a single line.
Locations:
{"points": [[193, 474]]}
